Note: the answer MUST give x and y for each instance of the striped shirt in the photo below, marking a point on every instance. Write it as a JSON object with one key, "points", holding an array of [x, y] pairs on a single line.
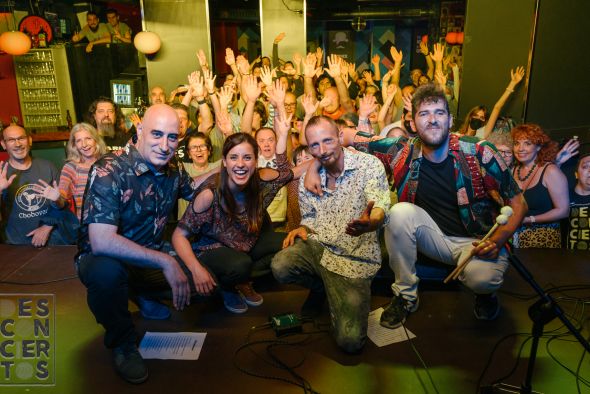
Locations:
{"points": [[72, 183]]}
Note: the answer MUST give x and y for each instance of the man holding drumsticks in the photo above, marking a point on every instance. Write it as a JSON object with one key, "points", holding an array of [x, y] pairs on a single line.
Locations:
{"points": [[450, 189]]}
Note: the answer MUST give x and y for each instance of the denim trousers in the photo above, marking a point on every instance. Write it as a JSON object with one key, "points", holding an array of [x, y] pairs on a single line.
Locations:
{"points": [[349, 299]]}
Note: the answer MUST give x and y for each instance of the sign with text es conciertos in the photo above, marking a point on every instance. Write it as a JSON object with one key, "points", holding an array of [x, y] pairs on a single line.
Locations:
{"points": [[27, 339]]}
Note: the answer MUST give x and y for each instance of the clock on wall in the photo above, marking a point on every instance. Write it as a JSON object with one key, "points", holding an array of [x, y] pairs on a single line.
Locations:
{"points": [[34, 24]]}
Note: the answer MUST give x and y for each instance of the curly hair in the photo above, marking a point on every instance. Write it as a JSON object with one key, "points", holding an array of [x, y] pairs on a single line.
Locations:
{"points": [[535, 135]]}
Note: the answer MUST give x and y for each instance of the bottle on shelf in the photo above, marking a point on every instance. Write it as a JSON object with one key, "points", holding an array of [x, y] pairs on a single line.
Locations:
{"points": [[69, 119]]}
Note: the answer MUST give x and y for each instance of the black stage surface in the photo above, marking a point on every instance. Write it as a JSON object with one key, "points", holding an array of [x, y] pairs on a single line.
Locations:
{"points": [[451, 342]]}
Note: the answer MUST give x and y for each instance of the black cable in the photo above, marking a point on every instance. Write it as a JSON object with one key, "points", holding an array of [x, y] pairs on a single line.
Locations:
{"points": [[578, 372], [491, 357], [573, 373], [275, 361], [419, 356], [7, 282], [290, 9]]}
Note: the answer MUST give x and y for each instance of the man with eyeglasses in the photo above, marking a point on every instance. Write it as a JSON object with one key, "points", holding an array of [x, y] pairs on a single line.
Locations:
{"points": [[27, 213]]}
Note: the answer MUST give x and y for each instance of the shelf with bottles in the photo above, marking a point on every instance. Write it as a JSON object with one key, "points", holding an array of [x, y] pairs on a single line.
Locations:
{"points": [[41, 107], [37, 56], [39, 94], [42, 120]]}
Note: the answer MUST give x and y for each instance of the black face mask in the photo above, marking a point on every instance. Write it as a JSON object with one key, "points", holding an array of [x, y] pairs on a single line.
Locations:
{"points": [[475, 123], [408, 126]]}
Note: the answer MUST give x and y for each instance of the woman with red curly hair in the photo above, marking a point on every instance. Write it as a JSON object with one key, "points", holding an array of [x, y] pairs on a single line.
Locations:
{"points": [[544, 186]]}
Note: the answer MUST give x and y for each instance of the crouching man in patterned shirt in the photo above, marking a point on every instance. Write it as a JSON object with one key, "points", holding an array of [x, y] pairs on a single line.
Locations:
{"points": [[129, 196], [335, 252]]}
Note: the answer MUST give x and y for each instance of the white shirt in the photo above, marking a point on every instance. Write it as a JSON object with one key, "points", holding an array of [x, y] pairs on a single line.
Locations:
{"points": [[362, 180]]}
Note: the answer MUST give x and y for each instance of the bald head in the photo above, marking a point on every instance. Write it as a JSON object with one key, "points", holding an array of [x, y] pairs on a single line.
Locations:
{"points": [[332, 94], [158, 134]]}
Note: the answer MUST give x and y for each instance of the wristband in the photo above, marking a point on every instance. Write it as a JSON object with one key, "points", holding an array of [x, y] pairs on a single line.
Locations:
{"points": [[364, 120], [532, 219], [213, 92], [201, 102]]}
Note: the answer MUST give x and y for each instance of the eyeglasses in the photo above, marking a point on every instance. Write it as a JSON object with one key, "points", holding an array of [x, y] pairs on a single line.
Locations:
{"points": [[290, 104], [11, 141], [198, 148], [505, 153]]}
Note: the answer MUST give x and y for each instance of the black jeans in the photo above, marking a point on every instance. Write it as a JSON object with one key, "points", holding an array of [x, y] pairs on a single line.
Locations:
{"points": [[231, 267], [110, 281]]}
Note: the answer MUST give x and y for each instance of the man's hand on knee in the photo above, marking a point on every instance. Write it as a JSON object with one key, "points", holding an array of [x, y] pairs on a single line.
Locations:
{"points": [[181, 291]]}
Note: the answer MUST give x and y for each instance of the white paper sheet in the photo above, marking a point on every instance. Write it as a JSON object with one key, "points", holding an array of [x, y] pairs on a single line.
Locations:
{"points": [[382, 336], [172, 345]]}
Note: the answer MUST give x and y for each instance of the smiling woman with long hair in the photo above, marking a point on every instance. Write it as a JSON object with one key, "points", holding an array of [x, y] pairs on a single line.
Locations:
{"points": [[226, 230], [544, 186]]}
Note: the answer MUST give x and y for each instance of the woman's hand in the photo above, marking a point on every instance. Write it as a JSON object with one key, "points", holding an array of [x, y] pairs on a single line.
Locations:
{"points": [[300, 232], [204, 282]]}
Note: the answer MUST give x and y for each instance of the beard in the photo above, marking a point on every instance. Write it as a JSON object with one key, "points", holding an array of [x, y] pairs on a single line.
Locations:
{"points": [[95, 29], [435, 139], [106, 129]]}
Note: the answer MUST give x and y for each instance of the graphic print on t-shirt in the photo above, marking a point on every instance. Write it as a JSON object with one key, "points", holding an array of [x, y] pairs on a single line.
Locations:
{"points": [[27, 200]]}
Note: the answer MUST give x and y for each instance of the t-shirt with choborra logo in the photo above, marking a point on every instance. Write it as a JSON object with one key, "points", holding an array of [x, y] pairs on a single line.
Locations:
{"points": [[22, 210]]}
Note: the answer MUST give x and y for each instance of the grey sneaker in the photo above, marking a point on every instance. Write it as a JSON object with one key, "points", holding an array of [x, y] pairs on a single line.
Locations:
{"points": [[129, 364], [486, 306], [395, 314]]}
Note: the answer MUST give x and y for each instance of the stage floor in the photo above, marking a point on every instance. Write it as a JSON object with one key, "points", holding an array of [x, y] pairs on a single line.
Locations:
{"points": [[452, 343]]}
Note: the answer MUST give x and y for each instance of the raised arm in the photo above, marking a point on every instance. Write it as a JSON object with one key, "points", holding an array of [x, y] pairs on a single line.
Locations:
{"points": [[250, 93], [335, 71], [429, 63], [385, 115], [309, 71], [310, 105], [515, 78], [376, 61]]}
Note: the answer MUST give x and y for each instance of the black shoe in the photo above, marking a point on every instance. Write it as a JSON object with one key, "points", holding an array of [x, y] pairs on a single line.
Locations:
{"points": [[486, 306], [313, 305], [395, 314], [129, 364]]}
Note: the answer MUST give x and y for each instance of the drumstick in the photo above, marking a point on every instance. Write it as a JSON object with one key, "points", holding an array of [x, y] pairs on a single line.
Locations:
{"points": [[500, 220]]}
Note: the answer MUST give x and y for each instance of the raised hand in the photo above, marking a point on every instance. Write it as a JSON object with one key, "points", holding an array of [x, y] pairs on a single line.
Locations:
{"points": [[440, 78], [367, 76], [363, 224], [250, 89], [516, 75], [279, 38], [407, 99], [375, 60], [297, 58], [309, 105], [396, 55], [135, 119], [347, 82], [424, 48], [282, 126], [309, 65], [197, 85], [202, 59], [367, 105], [390, 91], [230, 59], [225, 95], [243, 65], [209, 78], [276, 95], [569, 150], [438, 52], [334, 66], [266, 76], [45, 190], [319, 54], [4, 181], [224, 123]]}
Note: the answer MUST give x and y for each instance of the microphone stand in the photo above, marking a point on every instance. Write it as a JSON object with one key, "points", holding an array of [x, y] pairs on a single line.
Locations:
{"points": [[541, 312]]}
